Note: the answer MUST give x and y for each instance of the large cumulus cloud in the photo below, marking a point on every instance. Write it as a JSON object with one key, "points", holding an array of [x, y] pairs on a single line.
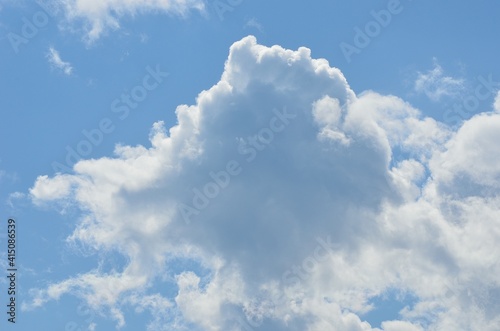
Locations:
{"points": [[282, 200]]}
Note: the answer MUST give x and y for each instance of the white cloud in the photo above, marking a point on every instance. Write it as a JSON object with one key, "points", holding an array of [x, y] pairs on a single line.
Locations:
{"points": [[497, 102], [14, 197], [58, 188], [98, 16], [307, 201], [475, 140], [253, 23], [57, 63], [435, 85]]}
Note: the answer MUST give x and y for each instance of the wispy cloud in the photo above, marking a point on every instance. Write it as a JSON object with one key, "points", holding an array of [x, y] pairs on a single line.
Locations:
{"points": [[435, 85], [14, 198], [57, 63], [100, 16], [253, 23]]}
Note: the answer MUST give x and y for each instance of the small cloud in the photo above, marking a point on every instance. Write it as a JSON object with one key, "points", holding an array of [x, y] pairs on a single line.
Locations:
{"points": [[253, 23], [144, 38], [14, 197], [125, 55], [435, 85], [57, 63]]}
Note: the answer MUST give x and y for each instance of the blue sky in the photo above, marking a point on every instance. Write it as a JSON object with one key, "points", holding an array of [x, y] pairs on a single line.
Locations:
{"points": [[388, 147]]}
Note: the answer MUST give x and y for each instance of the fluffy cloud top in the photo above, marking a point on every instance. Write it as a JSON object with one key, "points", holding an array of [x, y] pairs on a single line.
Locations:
{"points": [[100, 15], [296, 202]]}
